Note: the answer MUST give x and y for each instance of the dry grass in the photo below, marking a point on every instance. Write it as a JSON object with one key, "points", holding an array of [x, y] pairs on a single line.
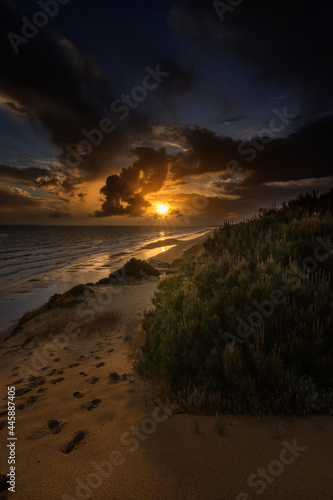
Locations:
{"points": [[102, 323], [56, 326], [137, 340], [68, 302]]}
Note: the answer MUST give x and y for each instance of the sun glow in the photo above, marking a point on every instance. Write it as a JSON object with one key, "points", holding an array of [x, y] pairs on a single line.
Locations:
{"points": [[162, 209]]}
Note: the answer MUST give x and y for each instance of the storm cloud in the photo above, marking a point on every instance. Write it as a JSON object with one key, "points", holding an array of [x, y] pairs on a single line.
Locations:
{"points": [[286, 43], [201, 132], [125, 193]]}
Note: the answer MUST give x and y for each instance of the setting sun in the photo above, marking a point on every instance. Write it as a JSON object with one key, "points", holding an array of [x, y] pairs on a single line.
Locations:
{"points": [[162, 209]]}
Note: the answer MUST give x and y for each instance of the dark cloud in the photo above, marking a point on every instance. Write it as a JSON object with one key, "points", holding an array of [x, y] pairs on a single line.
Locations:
{"points": [[81, 197], [18, 109], [125, 193], [60, 182], [307, 153], [56, 86], [206, 152], [180, 80], [55, 180], [287, 43], [175, 213], [231, 119], [26, 176], [53, 83], [16, 199]]}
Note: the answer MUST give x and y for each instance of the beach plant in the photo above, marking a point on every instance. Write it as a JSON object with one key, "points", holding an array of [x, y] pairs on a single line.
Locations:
{"points": [[204, 339], [138, 268]]}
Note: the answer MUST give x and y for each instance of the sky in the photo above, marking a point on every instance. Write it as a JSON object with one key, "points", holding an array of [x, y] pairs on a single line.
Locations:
{"points": [[186, 112]]}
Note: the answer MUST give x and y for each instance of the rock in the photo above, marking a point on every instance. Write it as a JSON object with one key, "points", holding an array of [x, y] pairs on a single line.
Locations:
{"points": [[159, 264], [103, 281]]}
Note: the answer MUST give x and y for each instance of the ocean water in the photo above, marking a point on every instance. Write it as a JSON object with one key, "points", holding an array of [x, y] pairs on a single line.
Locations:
{"points": [[39, 261]]}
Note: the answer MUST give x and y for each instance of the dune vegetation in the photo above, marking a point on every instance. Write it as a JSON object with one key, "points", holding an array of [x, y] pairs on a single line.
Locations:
{"points": [[247, 324]]}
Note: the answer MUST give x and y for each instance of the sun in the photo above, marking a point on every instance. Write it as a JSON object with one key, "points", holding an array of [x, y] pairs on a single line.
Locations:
{"points": [[162, 209]]}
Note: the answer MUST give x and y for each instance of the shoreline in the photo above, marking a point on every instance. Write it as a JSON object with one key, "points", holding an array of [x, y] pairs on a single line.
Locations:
{"points": [[150, 251], [176, 252]]}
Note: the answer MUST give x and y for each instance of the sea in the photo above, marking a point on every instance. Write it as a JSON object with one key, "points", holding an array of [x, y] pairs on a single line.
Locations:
{"points": [[38, 261]]}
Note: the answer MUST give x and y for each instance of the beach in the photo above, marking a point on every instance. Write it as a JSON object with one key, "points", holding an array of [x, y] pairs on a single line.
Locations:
{"points": [[37, 262], [88, 426]]}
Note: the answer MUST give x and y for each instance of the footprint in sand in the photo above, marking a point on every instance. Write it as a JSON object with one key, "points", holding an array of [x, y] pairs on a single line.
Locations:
{"points": [[18, 382], [76, 441], [73, 365], [39, 433], [22, 391], [36, 382], [90, 405], [56, 360], [97, 357], [81, 358], [31, 400], [52, 372], [115, 377], [93, 380], [99, 365], [110, 350], [20, 407], [56, 380], [78, 394], [55, 426], [83, 374], [2, 424]]}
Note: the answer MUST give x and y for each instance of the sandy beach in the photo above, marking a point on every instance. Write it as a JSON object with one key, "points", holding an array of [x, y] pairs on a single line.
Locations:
{"points": [[88, 426]]}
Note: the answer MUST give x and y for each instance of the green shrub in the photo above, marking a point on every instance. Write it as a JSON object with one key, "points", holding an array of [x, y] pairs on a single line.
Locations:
{"points": [[137, 267], [284, 363]]}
